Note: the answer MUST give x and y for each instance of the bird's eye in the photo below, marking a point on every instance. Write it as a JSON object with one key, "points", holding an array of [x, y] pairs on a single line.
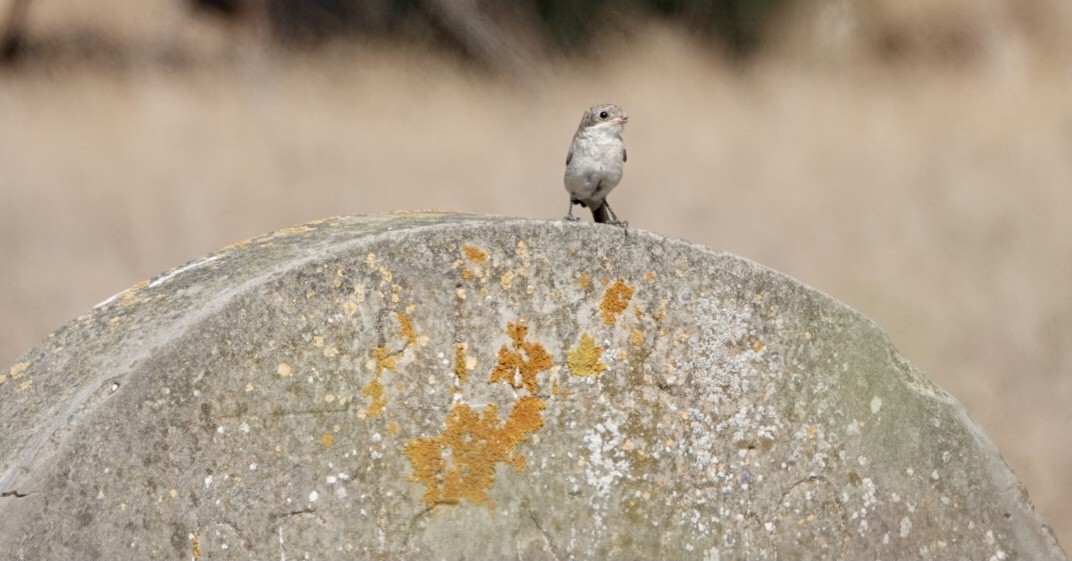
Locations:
{"points": [[602, 114]]}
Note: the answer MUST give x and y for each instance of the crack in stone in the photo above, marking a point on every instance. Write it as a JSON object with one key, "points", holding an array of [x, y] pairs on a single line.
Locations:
{"points": [[301, 512], [546, 536], [412, 527]]}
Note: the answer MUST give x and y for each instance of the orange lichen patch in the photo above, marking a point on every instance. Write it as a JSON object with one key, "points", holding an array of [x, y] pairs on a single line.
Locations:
{"points": [[129, 295], [473, 444], [459, 363], [636, 337], [195, 546], [615, 301], [584, 359], [15, 372], [506, 280], [523, 253], [758, 345], [385, 359], [585, 281], [294, 230], [382, 359], [385, 273], [327, 440], [406, 329], [374, 390], [650, 276], [475, 254], [520, 365]]}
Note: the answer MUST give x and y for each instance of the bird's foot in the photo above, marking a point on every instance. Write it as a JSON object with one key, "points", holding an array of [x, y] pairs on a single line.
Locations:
{"points": [[570, 218]]}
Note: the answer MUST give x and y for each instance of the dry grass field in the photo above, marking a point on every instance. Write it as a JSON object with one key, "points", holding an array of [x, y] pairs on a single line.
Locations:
{"points": [[933, 196]]}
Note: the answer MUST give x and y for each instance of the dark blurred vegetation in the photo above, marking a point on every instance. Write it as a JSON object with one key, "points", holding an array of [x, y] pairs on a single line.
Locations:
{"points": [[512, 37], [735, 25], [501, 34]]}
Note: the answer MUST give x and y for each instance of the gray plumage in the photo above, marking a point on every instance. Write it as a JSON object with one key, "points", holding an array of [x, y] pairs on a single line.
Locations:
{"points": [[595, 161]]}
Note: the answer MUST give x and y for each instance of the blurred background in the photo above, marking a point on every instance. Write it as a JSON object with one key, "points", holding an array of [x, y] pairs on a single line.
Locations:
{"points": [[911, 158]]}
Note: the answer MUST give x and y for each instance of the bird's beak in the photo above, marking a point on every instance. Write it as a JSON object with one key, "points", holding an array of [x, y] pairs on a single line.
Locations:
{"points": [[622, 120]]}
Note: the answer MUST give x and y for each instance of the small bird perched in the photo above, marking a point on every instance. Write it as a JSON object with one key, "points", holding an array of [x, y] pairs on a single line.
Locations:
{"points": [[595, 161]]}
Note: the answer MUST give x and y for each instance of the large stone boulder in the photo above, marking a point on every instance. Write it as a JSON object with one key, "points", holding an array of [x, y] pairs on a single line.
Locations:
{"points": [[450, 386]]}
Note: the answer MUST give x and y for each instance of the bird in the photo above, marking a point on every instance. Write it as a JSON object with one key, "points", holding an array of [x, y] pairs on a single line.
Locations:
{"points": [[595, 161]]}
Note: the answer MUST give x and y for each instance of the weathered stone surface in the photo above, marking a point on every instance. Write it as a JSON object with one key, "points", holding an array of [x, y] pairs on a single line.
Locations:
{"points": [[451, 386]]}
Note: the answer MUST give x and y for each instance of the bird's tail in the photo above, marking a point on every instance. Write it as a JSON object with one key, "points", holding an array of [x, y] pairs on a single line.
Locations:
{"points": [[601, 214]]}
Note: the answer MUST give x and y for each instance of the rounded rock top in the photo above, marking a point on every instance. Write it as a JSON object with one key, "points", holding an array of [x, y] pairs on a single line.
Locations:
{"points": [[437, 385]]}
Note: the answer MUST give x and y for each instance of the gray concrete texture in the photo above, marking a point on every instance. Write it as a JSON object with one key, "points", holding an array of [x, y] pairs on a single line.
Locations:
{"points": [[431, 385]]}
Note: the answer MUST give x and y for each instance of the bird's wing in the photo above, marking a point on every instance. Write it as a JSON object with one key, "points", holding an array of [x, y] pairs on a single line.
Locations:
{"points": [[625, 155], [569, 156]]}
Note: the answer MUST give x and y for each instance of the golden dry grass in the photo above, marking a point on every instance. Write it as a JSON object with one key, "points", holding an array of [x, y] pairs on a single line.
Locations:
{"points": [[934, 199]]}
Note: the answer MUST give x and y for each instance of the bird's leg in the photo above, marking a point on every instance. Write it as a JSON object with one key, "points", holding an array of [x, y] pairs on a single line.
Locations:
{"points": [[614, 217], [570, 217]]}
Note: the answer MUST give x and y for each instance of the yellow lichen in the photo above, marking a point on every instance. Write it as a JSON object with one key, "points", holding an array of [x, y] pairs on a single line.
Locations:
{"points": [[293, 230], [506, 280], [15, 372], [584, 359], [385, 359], [475, 254], [636, 337], [519, 365], [523, 253], [459, 363], [382, 359], [585, 281], [406, 329], [473, 444], [615, 301], [374, 389], [327, 440], [284, 370], [130, 295]]}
